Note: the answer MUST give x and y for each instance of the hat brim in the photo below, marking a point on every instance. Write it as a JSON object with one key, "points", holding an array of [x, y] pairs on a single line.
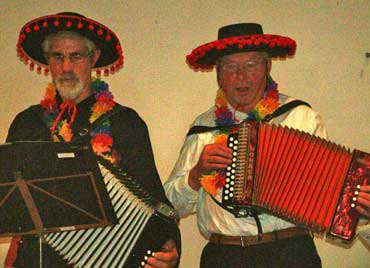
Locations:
{"points": [[34, 33], [205, 57]]}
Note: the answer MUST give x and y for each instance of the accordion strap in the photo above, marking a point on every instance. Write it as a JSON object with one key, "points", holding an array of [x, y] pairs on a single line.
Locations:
{"points": [[283, 109], [279, 111], [251, 212], [202, 129]]}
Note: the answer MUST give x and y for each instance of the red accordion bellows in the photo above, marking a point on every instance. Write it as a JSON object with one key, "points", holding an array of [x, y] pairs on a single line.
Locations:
{"points": [[296, 176]]}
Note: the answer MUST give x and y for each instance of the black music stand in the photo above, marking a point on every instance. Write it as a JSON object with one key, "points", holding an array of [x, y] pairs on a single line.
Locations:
{"points": [[49, 187]]}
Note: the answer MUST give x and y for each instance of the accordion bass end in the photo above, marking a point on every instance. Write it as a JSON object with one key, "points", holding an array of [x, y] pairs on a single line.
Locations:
{"points": [[302, 178]]}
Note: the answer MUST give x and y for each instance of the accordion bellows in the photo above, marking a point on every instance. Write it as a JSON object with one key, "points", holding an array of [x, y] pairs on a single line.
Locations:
{"points": [[296, 176]]}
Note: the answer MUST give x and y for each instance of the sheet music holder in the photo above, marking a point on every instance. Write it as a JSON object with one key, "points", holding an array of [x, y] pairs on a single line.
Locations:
{"points": [[51, 186]]}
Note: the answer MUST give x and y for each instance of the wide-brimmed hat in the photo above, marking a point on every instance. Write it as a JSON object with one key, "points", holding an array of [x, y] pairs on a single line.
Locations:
{"points": [[236, 38], [34, 32]]}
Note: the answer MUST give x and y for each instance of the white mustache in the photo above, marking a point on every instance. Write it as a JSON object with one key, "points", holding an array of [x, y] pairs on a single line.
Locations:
{"points": [[68, 76]]}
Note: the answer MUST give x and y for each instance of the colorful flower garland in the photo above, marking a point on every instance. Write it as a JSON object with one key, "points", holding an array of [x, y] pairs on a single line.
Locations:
{"points": [[101, 139], [215, 180]]}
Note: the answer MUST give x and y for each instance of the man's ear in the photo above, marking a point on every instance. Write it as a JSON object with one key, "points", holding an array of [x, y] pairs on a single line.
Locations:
{"points": [[218, 75], [95, 56], [268, 65]]}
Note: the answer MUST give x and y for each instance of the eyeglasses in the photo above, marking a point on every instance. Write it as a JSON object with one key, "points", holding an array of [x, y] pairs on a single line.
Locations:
{"points": [[249, 66], [74, 57]]}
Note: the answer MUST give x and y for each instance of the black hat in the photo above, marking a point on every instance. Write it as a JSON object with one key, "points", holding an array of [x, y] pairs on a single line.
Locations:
{"points": [[34, 32], [236, 38]]}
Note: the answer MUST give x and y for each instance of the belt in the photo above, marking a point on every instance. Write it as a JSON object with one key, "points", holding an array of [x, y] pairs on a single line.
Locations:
{"points": [[254, 240]]}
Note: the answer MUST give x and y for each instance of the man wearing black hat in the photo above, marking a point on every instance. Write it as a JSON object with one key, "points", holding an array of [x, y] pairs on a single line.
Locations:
{"points": [[80, 109], [242, 57]]}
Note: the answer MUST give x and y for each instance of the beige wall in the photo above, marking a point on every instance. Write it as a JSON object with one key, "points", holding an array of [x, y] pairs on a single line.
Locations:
{"points": [[329, 70]]}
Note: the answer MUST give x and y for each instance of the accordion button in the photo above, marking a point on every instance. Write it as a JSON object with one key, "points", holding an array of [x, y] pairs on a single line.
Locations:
{"points": [[234, 153], [232, 183], [231, 195], [226, 191], [232, 189], [356, 192], [353, 205], [231, 138], [358, 186], [142, 264], [236, 141], [226, 198], [354, 199]]}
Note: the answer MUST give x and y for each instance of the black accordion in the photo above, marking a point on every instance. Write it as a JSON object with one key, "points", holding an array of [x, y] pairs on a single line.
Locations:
{"points": [[144, 225], [296, 176]]}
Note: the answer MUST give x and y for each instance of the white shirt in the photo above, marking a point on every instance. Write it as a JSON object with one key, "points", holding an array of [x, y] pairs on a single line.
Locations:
{"points": [[210, 216]]}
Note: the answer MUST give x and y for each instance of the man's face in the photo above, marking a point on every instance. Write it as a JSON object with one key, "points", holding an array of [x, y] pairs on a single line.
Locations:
{"points": [[242, 76], [70, 65]]}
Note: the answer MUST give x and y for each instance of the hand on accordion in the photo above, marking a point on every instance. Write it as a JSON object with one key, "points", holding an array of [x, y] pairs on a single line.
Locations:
{"points": [[363, 206], [167, 258], [213, 156]]}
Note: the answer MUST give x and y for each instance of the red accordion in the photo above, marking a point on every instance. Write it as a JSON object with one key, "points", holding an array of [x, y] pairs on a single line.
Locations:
{"points": [[296, 176]]}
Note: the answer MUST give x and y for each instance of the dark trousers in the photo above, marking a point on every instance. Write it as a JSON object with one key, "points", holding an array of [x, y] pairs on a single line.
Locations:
{"points": [[295, 252]]}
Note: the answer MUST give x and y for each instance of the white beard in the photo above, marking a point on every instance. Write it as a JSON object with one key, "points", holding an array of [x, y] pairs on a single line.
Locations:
{"points": [[69, 86]]}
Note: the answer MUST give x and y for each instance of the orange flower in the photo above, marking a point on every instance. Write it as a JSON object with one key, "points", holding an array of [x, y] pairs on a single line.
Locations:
{"points": [[221, 139], [208, 183], [212, 182], [65, 131]]}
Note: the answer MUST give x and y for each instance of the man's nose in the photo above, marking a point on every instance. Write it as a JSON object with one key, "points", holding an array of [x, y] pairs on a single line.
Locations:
{"points": [[67, 64], [241, 73]]}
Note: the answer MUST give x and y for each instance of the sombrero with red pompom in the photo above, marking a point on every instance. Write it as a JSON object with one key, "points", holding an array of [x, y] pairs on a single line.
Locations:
{"points": [[236, 38], [34, 32]]}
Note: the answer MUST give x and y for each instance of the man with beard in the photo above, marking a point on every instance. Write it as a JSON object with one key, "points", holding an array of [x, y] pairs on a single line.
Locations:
{"points": [[70, 46], [242, 57]]}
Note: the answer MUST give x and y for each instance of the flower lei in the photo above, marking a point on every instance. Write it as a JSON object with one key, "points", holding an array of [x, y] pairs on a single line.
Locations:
{"points": [[101, 139], [215, 180]]}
